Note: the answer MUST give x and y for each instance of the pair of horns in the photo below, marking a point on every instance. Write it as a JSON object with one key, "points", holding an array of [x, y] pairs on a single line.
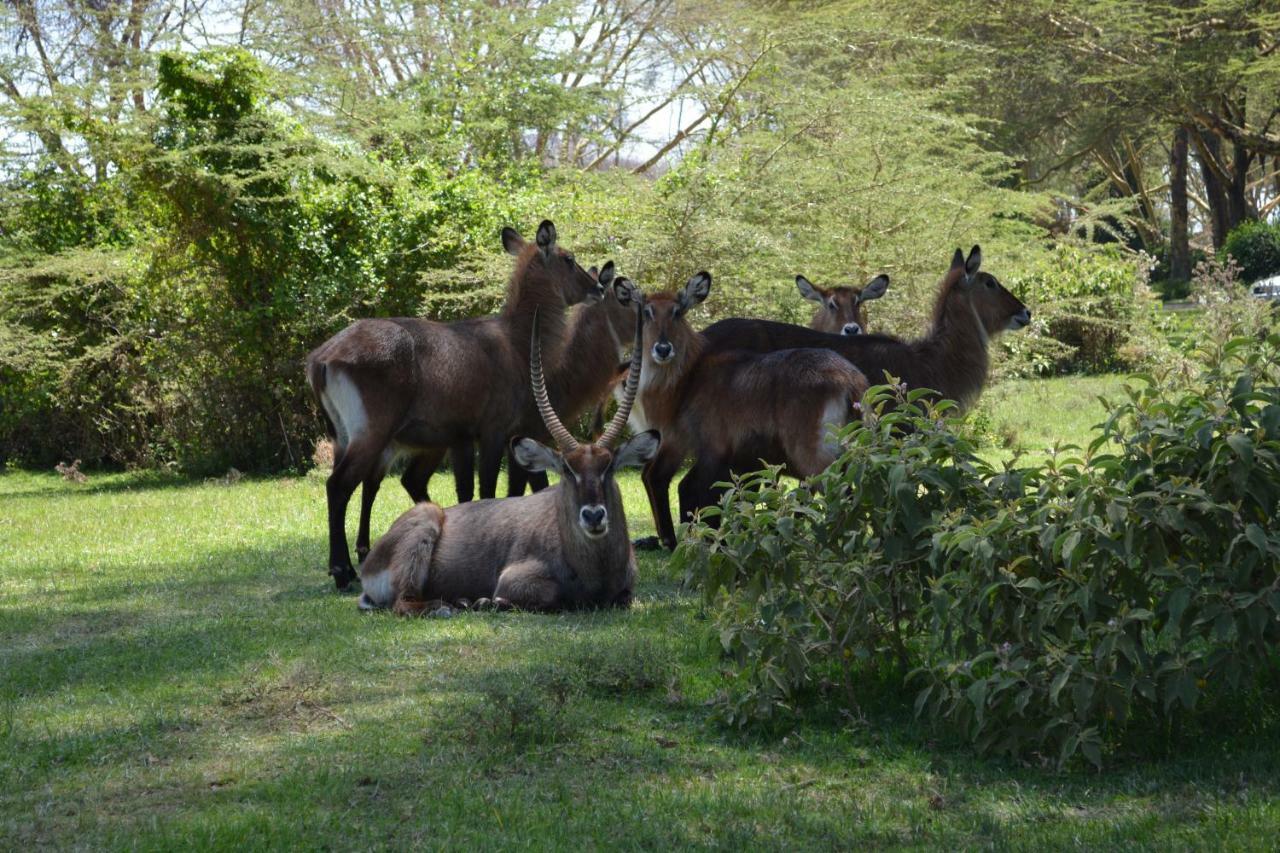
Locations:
{"points": [[613, 432]]}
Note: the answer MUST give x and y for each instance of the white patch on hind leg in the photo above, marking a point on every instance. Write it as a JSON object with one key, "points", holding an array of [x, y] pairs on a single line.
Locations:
{"points": [[341, 399], [834, 416]]}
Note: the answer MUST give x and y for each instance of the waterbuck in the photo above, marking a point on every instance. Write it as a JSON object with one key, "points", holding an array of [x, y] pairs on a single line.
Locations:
{"points": [[730, 410], [842, 310], [594, 340], [971, 308], [406, 384], [562, 548]]}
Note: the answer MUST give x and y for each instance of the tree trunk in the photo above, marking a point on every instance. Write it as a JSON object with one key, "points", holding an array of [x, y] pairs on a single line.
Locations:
{"points": [[1209, 150], [1179, 248], [1239, 207]]}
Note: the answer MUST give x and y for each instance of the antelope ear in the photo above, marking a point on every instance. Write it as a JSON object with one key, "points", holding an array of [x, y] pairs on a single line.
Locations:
{"points": [[638, 450], [957, 260], [535, 457], [627, 292], [875, 288], [606, 274], [695, 290], [974, 261], [512, 241], [546, 237], [808, 291], [593, 272]]}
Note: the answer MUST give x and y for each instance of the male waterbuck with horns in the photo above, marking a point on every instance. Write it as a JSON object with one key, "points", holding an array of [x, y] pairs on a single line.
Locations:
{"points": [[842, 310], [565, 547], [730, 410], [971, 308], [412, 385]]}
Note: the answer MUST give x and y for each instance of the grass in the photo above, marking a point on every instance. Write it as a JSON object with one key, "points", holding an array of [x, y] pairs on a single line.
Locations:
{"points": [[178, 672]]}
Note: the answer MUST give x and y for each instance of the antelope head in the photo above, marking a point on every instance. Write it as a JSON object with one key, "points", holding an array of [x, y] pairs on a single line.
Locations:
{"points": [[574, 283], [587, 485], [994, 308], [842, 310], [668, 337]]}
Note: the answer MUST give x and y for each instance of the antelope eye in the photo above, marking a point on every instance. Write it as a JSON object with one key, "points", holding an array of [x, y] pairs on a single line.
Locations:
{"points": [[831, 304], [648, 312], [568, 256], [991, 283]]}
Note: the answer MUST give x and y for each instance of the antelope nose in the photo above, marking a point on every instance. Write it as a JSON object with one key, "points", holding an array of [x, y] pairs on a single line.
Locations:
{"points": [[1020, 319], [662, 350], [593, 518], [851, 329]]}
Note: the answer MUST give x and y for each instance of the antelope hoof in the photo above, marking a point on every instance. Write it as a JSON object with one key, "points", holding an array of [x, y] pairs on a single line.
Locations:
{"points": [[647, 543], [462, 604], [342, 577], [482, 604], [361, 553], [502, 604]]}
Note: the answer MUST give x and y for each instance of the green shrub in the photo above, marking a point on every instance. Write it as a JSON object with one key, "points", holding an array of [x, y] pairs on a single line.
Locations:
{"points": [[1089, 304], [1256, 248], [1041, 610]]}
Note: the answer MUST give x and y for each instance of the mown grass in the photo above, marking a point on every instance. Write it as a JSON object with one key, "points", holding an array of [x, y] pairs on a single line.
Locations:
{"points": [[178, 672]]}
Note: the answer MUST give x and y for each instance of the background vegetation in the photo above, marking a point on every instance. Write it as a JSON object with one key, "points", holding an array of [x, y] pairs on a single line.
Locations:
{"points": [[194, 195]]}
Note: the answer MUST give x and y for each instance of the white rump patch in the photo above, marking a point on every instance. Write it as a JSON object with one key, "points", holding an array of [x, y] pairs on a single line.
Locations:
{"points": [[376, 590], [341, 399], [834, 416]]}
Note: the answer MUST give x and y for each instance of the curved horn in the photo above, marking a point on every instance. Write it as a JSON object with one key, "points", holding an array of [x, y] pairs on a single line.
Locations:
{"points": [[614, 431], [561, 435]]}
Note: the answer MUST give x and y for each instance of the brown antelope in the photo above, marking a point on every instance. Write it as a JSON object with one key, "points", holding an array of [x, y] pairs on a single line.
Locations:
{"points": [[730, 410], [397, 385], [595, 338], [562, 548], [842, 310], [971, 308]]}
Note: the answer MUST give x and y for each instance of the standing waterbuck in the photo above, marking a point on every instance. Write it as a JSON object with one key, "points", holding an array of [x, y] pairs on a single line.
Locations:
{"points": [[562, 548], [971, 308], [842, 310], [594, 340], [730, 410], [409, 385]]}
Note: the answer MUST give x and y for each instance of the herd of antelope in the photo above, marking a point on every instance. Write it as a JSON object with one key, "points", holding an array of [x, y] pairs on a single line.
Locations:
{"points": [[737, 395]]}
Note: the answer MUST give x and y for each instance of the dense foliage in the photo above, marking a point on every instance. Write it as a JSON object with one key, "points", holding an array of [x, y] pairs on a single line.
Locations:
{"points": [[1255, 246], [1036, 609]]}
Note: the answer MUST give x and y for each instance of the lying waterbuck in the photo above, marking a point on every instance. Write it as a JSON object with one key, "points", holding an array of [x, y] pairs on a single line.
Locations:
{"points": [[730, 410], [409, 385], [972, 307], [565, 547], [842, 310]]}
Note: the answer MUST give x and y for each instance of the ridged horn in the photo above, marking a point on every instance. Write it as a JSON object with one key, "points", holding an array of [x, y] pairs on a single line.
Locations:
{"points": [[614, 431], [558, 432]]}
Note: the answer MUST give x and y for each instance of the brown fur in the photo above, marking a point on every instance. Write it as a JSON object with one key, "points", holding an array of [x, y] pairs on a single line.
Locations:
{"points": [[971, 308], [425, 386], [531, 551], [840, 306], [732, 410]]}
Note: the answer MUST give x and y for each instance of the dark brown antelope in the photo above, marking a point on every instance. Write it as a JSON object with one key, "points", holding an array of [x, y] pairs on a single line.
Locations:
{"points": [[842, 310], [391, 386], [594, 340], [730, 410], [971, 308], [565, 547]]}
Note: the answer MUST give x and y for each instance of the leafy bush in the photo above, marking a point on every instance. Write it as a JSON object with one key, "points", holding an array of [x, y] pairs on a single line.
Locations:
{"points": [[1039, 610], [1088, 306], [1256, 248]]}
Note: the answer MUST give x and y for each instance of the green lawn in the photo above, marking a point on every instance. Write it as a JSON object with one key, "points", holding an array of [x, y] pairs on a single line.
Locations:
{"points": [[176, 670]]}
